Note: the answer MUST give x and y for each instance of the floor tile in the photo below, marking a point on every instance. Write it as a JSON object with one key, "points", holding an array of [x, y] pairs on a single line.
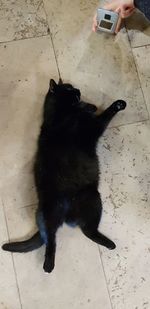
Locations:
{"points": [[9, 297], [138, 28], [101, 66], [20, 19], [125, 186], [24, 82], [142, 56], [77, 280]]}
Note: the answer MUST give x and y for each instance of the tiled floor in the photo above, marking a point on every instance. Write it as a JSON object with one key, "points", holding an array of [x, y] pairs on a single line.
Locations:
{"points": [[38, 40]]}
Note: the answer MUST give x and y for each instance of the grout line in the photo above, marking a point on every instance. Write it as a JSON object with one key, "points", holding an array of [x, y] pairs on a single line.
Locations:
{"points": [[55, 54], [128, 124], [17, 284], [134, 47], [16, 280], [51, 37], [136, 67], [22, 39], [105, 277], [141, 85]]}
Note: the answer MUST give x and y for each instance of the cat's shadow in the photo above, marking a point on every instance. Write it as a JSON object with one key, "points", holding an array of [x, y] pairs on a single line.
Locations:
{"points": [[139, 23]]}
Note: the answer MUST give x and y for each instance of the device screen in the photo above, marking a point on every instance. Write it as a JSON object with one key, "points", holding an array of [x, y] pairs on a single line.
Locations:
{"points": [[105, 24], [107, 16]]}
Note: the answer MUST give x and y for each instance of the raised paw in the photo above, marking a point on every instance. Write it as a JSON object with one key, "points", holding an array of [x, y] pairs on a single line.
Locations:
{"points": [[111, 245], [119, 105]]}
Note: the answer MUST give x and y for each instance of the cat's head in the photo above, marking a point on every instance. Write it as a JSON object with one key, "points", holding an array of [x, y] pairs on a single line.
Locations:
{"points": [[65, 94]]}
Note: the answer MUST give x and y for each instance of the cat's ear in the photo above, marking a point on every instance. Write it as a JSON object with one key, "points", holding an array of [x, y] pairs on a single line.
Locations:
{"points": [[60, 81], [52, 85]]}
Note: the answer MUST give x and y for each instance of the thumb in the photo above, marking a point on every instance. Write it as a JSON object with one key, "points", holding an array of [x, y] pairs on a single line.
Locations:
{"points": [[118, 27], [118, 10], [94, 26]]}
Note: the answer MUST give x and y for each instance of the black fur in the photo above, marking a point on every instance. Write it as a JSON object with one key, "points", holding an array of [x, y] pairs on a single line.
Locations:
{"points": [[66, 169], [33, 243]]}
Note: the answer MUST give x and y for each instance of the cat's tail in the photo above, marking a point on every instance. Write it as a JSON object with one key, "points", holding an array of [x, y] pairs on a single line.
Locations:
{"points": [[30, 244]]}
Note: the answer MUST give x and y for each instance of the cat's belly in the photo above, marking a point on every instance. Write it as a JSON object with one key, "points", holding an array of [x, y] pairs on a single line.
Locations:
{"points": [[76, 174]]}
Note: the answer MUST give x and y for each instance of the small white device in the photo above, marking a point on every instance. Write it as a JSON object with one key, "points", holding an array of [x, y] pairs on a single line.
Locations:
{"points": [[107, 20]]}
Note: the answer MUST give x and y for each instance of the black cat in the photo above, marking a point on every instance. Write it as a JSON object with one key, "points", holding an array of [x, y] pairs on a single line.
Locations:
{"points": [[66, 170]]}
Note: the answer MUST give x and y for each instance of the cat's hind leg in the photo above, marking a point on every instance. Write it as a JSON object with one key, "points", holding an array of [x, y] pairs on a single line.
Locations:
{"points": [[98, 237], [48, 236], [89, 217], [49, 262], [50, 221]]}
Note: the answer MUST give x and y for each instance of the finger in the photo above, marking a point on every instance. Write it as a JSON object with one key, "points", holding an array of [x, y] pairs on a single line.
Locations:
{"points": [[94, 26], [118, 27], [118, 10], [124, 12]]}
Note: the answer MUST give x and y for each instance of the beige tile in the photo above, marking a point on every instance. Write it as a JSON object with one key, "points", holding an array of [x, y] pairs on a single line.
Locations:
{"points": [[19, 189], [26, 67], [101, 66], [9, 297], [138, 28], [77, 280], [142, 56], [21, 221], [125, 187], [21, 19]]}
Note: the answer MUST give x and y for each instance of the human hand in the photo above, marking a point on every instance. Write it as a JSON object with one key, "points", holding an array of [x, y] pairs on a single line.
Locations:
{"points": [[124, 8]]}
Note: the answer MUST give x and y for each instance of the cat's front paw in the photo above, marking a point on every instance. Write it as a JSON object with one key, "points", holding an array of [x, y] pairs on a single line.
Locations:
{"points": [[111, 245], [87, 107], [91, 108], [119, 105]]}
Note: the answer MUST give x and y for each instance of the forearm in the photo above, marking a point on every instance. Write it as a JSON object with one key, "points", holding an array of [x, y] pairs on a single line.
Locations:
{"points": [[143, 6]]}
